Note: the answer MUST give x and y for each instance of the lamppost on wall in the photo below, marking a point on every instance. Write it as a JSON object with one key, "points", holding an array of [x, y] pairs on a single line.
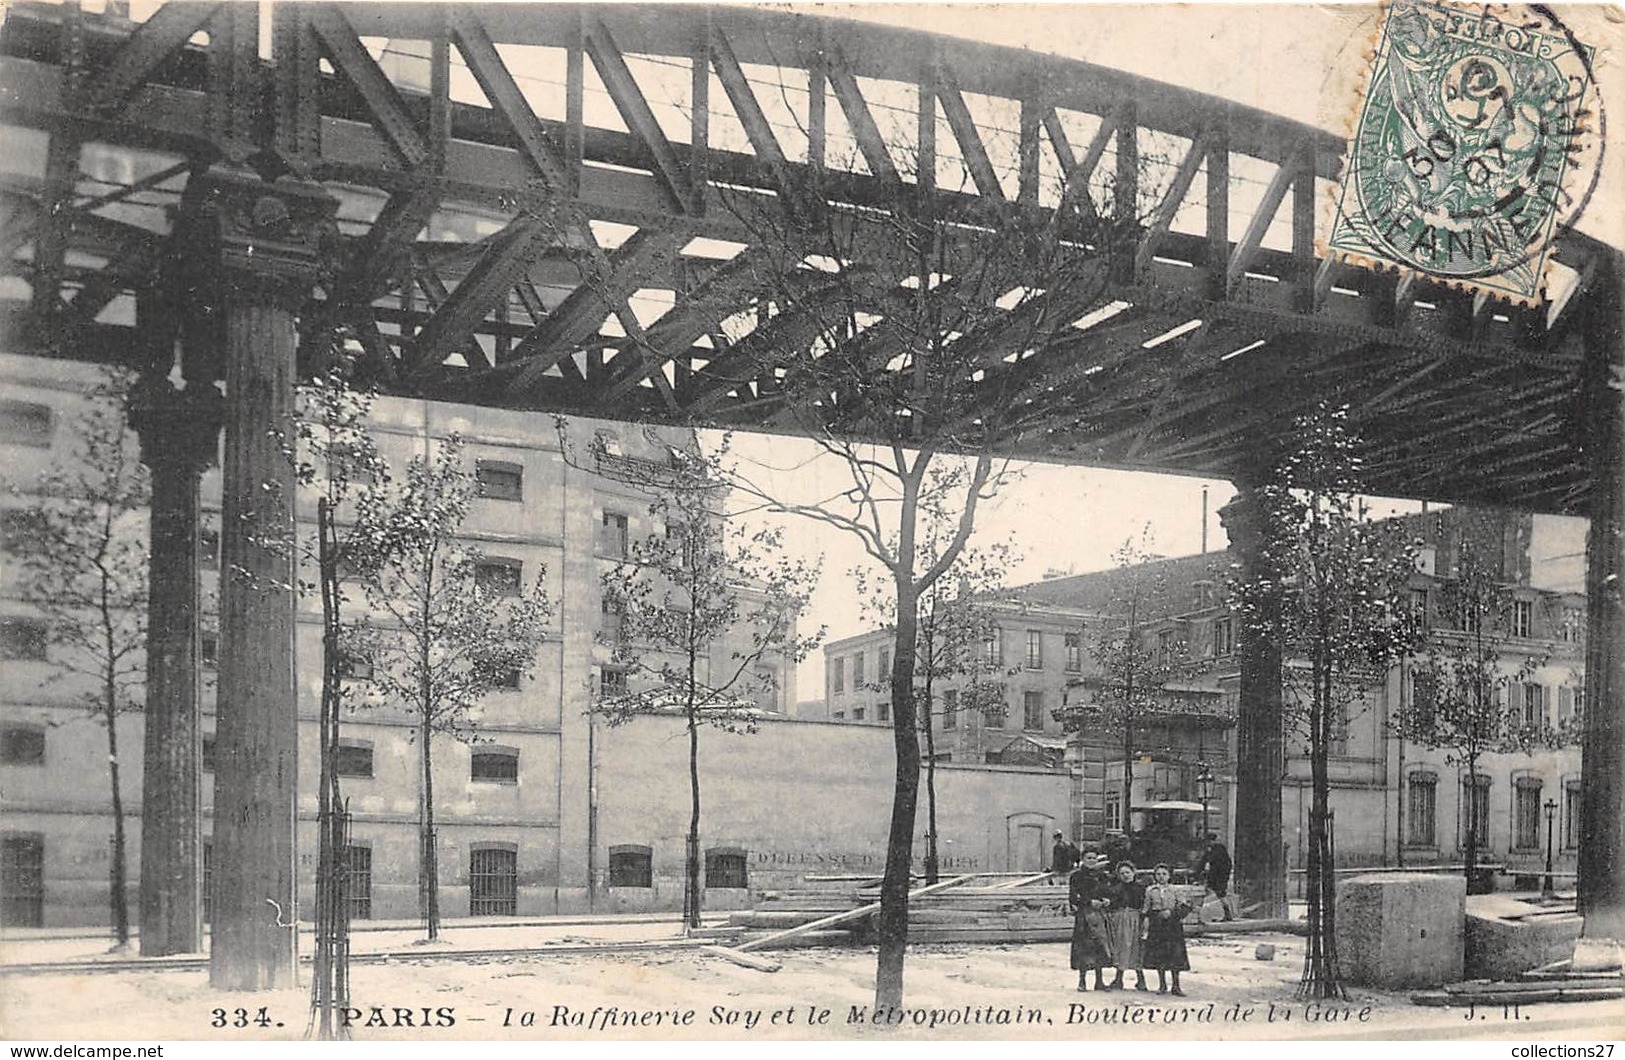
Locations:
{"points": [[1547, 890], [1204, 792]]}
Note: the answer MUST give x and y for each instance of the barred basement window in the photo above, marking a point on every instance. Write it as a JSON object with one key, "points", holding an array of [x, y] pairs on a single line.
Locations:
{"points": [[353, 760], [1421, 792], [493, 880], [22, 880], [22, 745], [499, 480], [25, 423], [498, 576], [497, 765], [631, 865], [358, 881], [22, 638], [725, 868]]}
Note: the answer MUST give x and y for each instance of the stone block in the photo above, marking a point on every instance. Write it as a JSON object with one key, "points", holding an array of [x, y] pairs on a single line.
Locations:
{"points": [[1501, 947], [1401, 930]]}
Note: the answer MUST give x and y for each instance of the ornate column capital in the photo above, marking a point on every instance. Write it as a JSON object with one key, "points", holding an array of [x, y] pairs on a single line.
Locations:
{"points": [[259, 241], [175, 426]]}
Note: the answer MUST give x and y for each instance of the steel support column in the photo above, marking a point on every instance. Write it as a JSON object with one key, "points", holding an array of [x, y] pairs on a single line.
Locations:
{"points": [[1602, 760], [263, 241], [179, 432], [1260, 862]]}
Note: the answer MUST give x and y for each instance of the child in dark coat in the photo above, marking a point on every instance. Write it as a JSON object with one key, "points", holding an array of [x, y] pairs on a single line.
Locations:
{"points": [[1165, 931]]}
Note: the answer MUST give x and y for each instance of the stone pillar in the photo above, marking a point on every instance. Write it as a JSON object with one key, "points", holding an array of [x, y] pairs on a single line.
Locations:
{"points": [[1260, 864], [261, 243], [1602, 760], [179, 432]]}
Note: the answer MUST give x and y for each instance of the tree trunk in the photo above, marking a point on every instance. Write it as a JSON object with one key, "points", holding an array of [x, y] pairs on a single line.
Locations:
{"points": [[692, 895], [891, 923], [116, 891], [932, 860], [428, 857]]}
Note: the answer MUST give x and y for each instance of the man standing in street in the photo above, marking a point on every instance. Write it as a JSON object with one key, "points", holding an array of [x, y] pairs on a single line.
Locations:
{"points": [[1064, 858], [1216, 871]]}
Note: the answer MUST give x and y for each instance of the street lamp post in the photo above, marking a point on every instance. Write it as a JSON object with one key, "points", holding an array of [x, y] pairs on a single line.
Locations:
{"points": [[1547, 890], [1204, 792]]}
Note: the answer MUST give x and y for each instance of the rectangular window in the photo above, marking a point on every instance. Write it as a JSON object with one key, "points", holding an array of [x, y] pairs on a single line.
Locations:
{"points": [[499, 480], [857, 671], [993, 713], [1337, 743], [208, 881], [610, 620], [208, 647], [496, 765], [1074, 652], [493, 881], [950, 708], [498, 577], [883, 710], [1523, 618], [208, 546], [614, 537], [1419, 607], [1035, 649], [1475, 800], [1571, 814], [1533, 715], [22, 880], [612, 681], [1032, 711], [353, 760], [1424, 697], [837, 675], [358, 881], [25, 423], [1574, 624], [993, 647], [1165, 648], [1114, 811], [22, 745], [860, 713], [1422, 806], [1526, 814], [1224, 636], [883, 667], [726, 869], [631, 866], [206, 753], [22, 638]]}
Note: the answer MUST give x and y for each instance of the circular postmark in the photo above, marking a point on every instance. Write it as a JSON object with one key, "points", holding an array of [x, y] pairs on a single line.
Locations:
{"points": [[1480, 133]]}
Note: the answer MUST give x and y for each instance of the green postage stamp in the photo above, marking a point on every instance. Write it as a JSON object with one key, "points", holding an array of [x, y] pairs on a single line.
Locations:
{"points": [[1478, 135]]}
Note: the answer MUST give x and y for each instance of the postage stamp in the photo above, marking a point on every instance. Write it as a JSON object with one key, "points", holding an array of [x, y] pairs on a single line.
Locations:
{"points": [[1480, 132]]}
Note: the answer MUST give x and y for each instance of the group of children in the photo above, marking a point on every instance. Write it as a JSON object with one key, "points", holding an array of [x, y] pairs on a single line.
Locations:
{"points": [[1120, 922]]}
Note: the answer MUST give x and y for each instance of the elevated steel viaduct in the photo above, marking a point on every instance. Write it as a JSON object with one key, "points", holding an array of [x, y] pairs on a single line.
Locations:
{"points": [[488, 199]]}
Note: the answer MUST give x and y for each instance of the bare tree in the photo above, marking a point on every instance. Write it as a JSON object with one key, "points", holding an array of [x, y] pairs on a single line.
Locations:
{"points": [[446, 637], [1344, 622], [82, 566], [706, 617]]}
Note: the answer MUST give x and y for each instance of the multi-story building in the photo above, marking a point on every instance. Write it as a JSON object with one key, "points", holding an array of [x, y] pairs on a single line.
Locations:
{"points": [[1395, 801], [550, 809]]}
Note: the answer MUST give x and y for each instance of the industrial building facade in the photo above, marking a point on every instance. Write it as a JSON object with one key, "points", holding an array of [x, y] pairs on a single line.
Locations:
{"points": [[514, 809]]}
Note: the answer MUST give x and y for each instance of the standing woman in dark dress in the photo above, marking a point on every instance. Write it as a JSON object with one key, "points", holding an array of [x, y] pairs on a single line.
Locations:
{"points": [[1086, 898], [1165, 931], [1124, 898]]}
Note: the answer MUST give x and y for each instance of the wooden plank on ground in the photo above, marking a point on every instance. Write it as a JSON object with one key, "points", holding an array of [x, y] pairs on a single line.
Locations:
{"points": [[841, 918], [744, 960]]}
